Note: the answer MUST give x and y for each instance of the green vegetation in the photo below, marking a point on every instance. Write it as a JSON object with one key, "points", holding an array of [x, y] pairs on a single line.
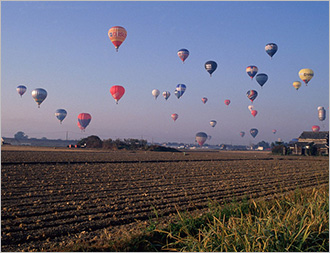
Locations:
{"points": [[298, 221]]}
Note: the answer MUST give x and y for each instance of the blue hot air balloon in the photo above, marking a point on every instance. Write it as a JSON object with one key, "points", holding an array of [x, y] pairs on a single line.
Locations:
{"points": [[166, 94], [60, 114], [252, 94], [271, 49], [261, 79], [180, 88], [39, 95], [251, 71], [210, 66], [254, 132], [183, 54], [21, 89]]}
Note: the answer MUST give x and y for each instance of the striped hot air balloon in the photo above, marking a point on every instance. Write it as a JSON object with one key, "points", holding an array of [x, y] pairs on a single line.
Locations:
{"points": [[117, 35]]}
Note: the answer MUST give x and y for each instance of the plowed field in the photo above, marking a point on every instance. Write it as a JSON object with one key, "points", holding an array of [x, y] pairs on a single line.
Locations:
{"points": [[51, 196]]}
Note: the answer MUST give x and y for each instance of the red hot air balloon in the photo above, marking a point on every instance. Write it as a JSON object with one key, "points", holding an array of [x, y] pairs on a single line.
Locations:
{"points": [[227, 102], [174, 116], [117, 92], [201, 137], [84, 119], [254, 113], [315, 129], [274, 131], [80, 127], [117, 35]]}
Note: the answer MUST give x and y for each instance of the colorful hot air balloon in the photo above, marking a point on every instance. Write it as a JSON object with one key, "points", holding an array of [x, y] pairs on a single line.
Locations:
{"points": [[155, 93], [254, 132], [21, 89], [174, 116], [117, 35], [39, 95], [181, 89], [296, 85], [60, 114], [274, 131], [204, 100], [306, 75], [117, 92], [321, 113], [271, 49], [183, 54], [254, 113], [251, 107], [213, 123], [201, 137], [251, 71], [261, 79], [242, 134], [166, 94], [210, 66], [252, 94], [84, 119], [315, 129], [227, 102]]}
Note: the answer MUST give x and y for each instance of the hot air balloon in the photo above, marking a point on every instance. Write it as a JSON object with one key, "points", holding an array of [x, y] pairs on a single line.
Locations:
{"points": [[201, 137], [315, 129], [166, 94], [213, 123], [227, 102], [204, 100], [60, 114], [321, 113], [252, 94], [174, 116], [254, 132], [271, 49], [181, 89], [39, 95], [296, 85], [155, 93], [117, 92], [254, 113], [117, 35], [84, 119], [210, 66], [251, 71], [177, 94], [21, 89], [183, 54], [251, 107], [261, 79], [306, 75], [274, 131], [242, 134]]}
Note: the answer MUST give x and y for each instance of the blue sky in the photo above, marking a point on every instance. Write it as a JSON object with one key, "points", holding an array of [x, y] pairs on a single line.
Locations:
{"points": [[64, 48]]}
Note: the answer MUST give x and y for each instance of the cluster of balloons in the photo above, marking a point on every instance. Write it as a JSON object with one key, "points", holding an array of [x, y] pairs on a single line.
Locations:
{"points": [[39, 94]]}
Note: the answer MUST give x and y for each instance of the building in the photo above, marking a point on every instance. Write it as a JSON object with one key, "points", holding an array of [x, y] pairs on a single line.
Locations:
{"points": [[311, 143]]}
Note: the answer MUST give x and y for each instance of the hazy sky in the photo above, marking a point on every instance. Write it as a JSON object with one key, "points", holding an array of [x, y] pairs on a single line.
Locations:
{"points": [[64, 48]]}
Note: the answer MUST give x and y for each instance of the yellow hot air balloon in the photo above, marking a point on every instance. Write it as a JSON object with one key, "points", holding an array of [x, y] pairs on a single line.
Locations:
{"points": [[296, 84], [306, 75], [117, 35]]}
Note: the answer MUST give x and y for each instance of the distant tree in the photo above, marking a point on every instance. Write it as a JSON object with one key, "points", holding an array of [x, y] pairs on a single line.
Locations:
{"points": [[263, 144], [20, 136], [92, 141], [44, 138]]}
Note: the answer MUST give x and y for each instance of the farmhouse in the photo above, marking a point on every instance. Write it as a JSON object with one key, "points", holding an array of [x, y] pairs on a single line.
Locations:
{"points": [[311, 143]]}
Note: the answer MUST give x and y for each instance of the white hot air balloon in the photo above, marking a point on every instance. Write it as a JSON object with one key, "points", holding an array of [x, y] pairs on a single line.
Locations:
{"points": [[155, 93]]}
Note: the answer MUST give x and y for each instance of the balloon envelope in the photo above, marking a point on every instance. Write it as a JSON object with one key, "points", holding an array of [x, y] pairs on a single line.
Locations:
{"points": [[21, 89], [166, 94], [251, 71], [227, 102], [117, 35], [254, 113], [242, 134], [315, 129], [201, 137], [306, 75], [60, 114], [254, 132], [251, 107], [204, 100], [296, 85], [174, 116], [321, 113], [155, 93], [274, 131], [210, 66], [213, 123], [181, 88], [252, 94], [39, 95], [183, 54], [84, 119], [271, 49], [261, 79], [117, 92]]}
